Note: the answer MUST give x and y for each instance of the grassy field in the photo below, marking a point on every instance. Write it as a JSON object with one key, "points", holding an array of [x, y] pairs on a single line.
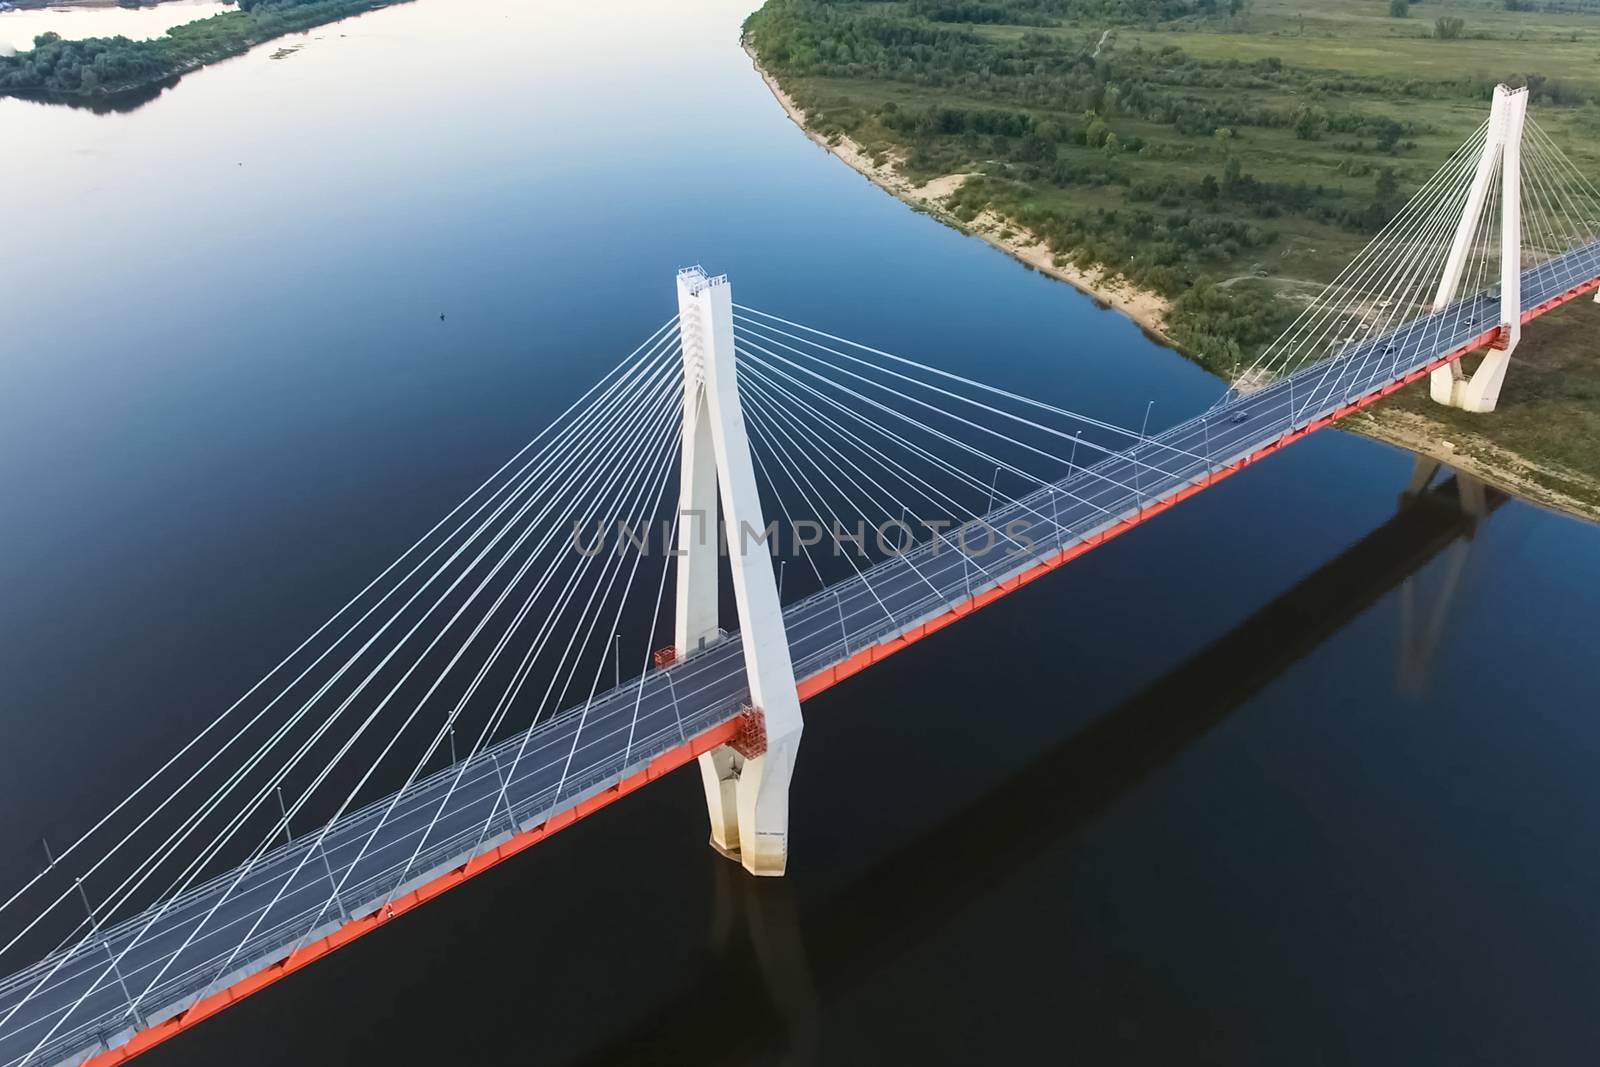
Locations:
{"points": [[1546, 429], [1231, 162]]}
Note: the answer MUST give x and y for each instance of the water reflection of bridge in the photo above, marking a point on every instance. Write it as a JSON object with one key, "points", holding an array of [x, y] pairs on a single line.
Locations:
{"points": [[775, 962], [196, 893]]}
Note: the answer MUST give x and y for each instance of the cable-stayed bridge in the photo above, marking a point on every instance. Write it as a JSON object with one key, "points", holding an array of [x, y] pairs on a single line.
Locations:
{"points": [[892, 907], [895, 498]]}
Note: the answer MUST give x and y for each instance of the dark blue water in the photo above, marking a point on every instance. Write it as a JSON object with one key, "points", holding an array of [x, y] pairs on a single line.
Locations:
{"points": [[227, 399]]}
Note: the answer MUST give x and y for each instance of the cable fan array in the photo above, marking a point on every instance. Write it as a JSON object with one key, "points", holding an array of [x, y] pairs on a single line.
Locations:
{"points": [[911, 483], [423, 690], [477, 683], [1560, 205], [477, 686], [1394, 281]]}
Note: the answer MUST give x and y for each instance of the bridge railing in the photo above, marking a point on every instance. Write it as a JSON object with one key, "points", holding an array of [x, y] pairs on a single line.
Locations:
{"points": [[385, 872]]}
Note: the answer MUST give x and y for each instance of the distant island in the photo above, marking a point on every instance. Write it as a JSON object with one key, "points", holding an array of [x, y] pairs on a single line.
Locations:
{"points": [[1206, 166], [107, 67]]}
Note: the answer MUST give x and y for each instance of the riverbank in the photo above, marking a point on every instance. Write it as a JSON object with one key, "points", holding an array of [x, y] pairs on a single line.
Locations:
{"points": [[1482, 458], [105, 69], [1147, 308], [1547, 483], [35, 5]]}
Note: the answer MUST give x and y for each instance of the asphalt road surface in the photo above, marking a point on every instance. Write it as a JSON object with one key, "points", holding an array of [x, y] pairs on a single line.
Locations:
{"points": [[69, 1005]]}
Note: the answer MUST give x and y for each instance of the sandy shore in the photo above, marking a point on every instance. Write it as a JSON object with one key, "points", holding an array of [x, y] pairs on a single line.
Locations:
{"points": [[1478, 456], [1148, 309], [1473, 454]]}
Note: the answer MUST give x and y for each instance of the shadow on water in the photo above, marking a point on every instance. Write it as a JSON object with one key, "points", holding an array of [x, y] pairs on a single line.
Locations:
{"points": [[119, 103], [772, 966]]}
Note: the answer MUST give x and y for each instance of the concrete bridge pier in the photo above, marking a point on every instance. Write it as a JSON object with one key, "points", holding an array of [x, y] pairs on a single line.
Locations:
{"points": [[1502, 152], [746, 781], [747, 799], [756, 836], [1480, 392]]}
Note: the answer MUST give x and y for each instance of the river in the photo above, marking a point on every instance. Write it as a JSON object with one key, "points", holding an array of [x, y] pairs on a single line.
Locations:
{"points": [[1125, 817]]}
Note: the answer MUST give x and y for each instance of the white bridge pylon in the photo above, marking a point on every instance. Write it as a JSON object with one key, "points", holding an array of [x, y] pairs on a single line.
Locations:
{"points": [[747, 788], [1502, 150]]}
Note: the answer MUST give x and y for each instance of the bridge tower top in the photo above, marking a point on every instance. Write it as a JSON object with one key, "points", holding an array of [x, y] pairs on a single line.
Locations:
{"points": [[747, 792]]}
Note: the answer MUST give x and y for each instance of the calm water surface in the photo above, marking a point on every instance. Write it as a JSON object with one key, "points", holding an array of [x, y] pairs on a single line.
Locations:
{"points": [[1169, 806]]}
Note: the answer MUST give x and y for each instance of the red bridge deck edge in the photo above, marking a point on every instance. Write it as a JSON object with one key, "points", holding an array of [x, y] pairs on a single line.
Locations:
{"points": [[809, 687]]}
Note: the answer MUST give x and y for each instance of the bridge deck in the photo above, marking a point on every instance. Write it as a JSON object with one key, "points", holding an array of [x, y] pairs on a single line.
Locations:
{"points": [[429, 835]]}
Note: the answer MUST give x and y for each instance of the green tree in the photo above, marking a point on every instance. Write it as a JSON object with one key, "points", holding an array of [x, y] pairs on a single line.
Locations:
{"points": [[1308, 124], [106, 66], [1386, 186], [1388, 134], [1232, 173], [1400, 9], [1449, 29]]}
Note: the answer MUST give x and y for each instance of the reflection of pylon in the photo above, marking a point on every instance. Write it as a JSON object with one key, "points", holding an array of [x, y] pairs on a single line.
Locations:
{"points": [[773, 930], [1420, 637], [1423, 468]]}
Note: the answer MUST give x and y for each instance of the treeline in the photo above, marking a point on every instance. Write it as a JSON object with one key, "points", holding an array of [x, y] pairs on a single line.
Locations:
{"points": [[1165, 86], [1556, 7], [1155, 249], [975, 13], [102, 66], [1193, 118], [1054, 12], [1167, 169], [1032, 144]]}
